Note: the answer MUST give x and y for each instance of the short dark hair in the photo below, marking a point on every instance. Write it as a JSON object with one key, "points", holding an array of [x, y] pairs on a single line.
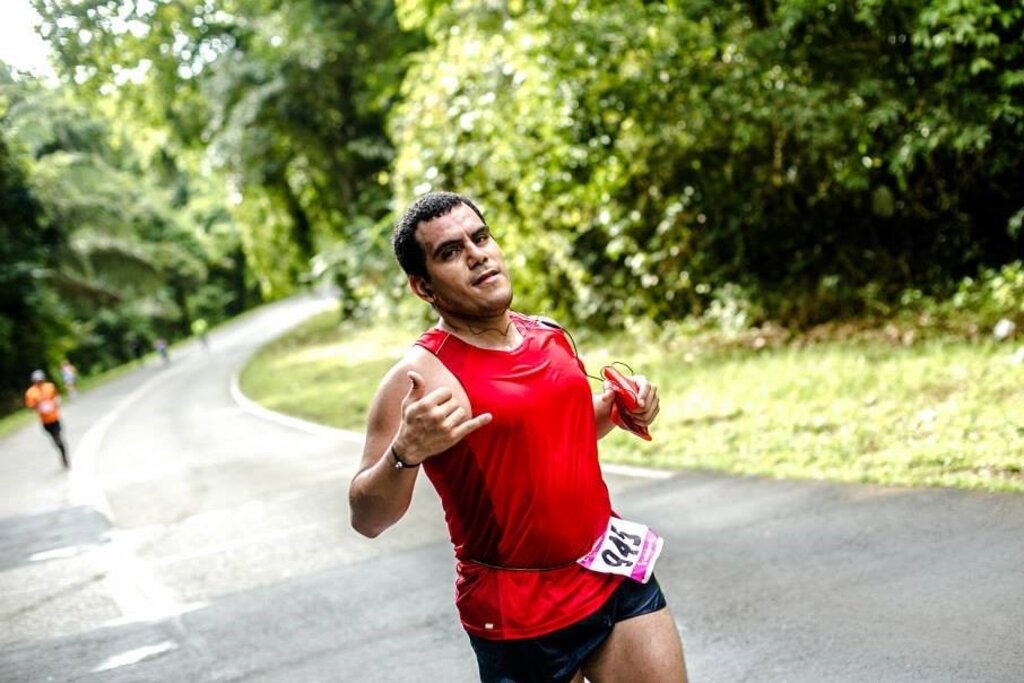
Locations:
{"points": [[428, 207]]}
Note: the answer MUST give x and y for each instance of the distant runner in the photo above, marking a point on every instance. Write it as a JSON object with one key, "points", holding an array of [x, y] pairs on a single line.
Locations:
{"points": [[69, 377], [497, 409], [44, 398], [199, 328]]}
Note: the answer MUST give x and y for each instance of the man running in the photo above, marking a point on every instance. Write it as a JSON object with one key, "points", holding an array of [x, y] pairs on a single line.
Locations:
{"points": [[43, 398], [497, 409], [69, 376]]}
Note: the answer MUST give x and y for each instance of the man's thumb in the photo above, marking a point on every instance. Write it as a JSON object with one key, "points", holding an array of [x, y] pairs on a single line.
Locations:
{"points": [[415, 386]]}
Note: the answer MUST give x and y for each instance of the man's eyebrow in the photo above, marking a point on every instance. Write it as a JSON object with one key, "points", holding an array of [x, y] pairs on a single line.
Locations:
{"points": [[456, 241], [443, 245]]}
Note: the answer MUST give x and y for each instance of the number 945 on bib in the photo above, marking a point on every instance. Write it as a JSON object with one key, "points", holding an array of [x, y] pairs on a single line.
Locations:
{"points": [[626, 548]]}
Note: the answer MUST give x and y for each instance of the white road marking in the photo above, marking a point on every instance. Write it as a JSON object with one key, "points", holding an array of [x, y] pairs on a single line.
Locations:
{"points": [[59, 553], [253, 408], [135, 656]]}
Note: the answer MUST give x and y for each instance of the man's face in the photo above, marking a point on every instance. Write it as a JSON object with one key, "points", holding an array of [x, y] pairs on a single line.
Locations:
{"points": [[468, 278]]}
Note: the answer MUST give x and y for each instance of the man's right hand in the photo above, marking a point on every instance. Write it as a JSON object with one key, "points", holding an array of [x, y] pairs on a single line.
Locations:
{"points": [[432, 422]]}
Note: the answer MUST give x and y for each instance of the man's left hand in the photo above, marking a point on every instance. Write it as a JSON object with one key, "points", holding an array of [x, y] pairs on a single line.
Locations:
{"points": [[648, 404]]}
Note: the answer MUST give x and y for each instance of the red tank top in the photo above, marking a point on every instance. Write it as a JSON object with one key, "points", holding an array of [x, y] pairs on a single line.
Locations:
{"points": [[523, 496]]}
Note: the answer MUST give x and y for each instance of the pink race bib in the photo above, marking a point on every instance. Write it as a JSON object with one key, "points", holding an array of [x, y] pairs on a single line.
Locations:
{"points": [[626, 548]]}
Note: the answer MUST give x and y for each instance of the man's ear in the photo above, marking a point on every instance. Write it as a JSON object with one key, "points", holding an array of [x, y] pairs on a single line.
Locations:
{"points": [[421, 288]]}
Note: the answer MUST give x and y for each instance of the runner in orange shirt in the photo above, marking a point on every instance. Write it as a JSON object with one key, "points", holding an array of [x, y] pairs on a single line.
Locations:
{"points": [[44, 398]]}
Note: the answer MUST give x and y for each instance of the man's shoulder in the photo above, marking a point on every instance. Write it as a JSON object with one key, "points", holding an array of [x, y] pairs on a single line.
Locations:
{"points": [[416, 358]]}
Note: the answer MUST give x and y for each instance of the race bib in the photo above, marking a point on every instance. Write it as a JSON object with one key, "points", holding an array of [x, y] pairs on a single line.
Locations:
{"points": [[45, 406], [626, 548]]}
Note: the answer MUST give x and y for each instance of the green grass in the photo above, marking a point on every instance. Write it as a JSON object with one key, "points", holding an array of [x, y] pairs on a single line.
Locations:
{"points": [[937, 413], [325, 374], [10, 423]]}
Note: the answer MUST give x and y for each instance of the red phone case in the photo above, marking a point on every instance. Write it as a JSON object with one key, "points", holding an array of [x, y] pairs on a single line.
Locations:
{"points": [[625, 400]]}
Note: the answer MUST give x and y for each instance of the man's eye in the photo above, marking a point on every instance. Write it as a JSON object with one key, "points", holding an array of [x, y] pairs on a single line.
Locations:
{"points": [[482, 237]]}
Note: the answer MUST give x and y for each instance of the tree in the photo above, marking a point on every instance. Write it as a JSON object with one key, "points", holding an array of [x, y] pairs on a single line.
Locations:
{"points": [[29, 317], [120, 260], [286, 100], [797, 160]]}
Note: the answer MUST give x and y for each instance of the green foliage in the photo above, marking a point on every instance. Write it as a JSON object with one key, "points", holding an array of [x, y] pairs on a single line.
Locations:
{"points": [[30, 320], [642, 163], [286, 101], [103, 247], [636, 158], [977, 305], [795, 161]]}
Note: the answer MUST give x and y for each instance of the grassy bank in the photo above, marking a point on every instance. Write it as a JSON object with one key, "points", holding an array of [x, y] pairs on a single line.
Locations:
{"points": [[942, 412]]}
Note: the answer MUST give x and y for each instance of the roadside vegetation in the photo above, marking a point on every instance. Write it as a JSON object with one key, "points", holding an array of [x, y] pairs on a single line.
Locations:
{"points": [[643, 162], [901, 405]]}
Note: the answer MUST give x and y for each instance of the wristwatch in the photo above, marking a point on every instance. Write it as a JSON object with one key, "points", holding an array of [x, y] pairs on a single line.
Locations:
{"points": [[398, 463]]}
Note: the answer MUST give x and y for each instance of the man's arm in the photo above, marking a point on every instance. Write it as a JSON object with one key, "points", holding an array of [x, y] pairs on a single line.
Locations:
{"points": [[416, 424], [379, 493]]}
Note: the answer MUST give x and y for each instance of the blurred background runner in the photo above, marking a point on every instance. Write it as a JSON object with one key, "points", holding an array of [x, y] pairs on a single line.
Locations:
{"points": [[44, 398], [69, 376]]}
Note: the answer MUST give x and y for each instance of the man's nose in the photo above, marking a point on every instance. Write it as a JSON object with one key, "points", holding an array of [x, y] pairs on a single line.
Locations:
{"points": [[475, 253]]}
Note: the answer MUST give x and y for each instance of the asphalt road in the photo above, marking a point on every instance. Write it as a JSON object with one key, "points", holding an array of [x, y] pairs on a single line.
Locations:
{"points": [[198, 539]]}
